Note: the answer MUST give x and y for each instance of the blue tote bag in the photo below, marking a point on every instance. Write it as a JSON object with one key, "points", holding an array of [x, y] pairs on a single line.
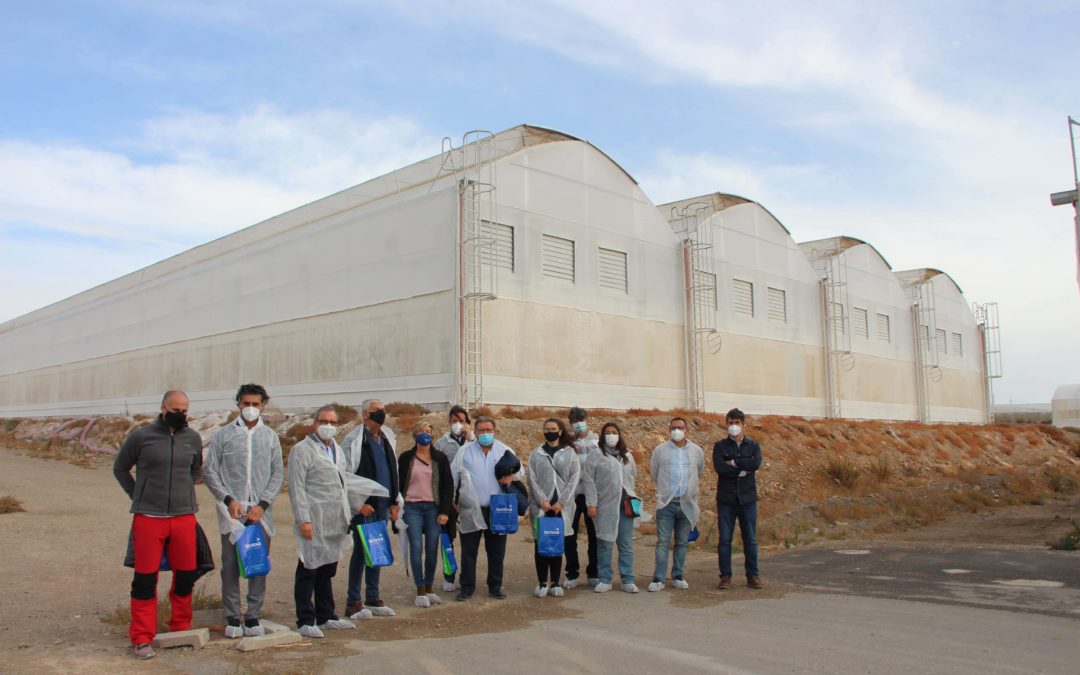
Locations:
{"points": [[375, 539], [504, 513], [252, 554], [549, 537]]}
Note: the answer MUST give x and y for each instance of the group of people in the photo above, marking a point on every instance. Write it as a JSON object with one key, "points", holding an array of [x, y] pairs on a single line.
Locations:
{"points": [[439, 485]]}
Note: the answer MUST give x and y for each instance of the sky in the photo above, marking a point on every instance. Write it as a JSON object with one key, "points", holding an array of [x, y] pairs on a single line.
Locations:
{"points": [[133, 130]]}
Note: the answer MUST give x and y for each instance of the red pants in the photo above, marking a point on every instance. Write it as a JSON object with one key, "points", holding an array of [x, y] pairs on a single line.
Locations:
{"points": [[152, 535]]}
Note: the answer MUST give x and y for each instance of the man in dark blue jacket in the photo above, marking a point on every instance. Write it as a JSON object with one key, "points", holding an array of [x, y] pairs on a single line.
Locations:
{"points": [[736, 460], [372, 456]]}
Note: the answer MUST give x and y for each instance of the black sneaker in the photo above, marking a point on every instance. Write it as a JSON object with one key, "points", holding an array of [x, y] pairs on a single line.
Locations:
{"points": [[463, 596], [497, 594]]}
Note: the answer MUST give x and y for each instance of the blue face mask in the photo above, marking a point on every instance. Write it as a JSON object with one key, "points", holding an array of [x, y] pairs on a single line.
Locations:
{"points": [[423, 439], [580, 427], [485, 439]]}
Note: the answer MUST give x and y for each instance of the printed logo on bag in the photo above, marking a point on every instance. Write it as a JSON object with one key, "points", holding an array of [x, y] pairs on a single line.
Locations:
{"points": [[374, 539], [505, 509], [552, 533], [254, 544]]}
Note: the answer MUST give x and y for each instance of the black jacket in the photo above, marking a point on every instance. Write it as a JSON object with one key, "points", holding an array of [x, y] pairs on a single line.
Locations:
{"points": [[730, 489], [166, 468], [366, 467], [442, 482]]}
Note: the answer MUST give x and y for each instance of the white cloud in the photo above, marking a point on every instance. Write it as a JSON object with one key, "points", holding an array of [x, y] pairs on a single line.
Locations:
{"points": [[210, 175]]}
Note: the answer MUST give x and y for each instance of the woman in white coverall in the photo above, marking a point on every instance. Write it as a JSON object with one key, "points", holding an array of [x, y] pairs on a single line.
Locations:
{"points": [[608, 482], [554, 473]]}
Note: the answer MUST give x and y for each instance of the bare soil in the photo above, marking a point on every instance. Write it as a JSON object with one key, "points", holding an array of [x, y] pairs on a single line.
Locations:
{"points": [[941, 485]]}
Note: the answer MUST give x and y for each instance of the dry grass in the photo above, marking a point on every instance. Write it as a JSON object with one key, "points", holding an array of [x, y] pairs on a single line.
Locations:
{"points": [[347, 413], [973, 500], [1022, 489], [1061, 482], [110, 432], [513, 413], [920, 509], [1057, 435], [399, 409], [841, 470], [121, 614], [10, 504], [880, 468], [1069, 542], [921, 443], [848, 511]]}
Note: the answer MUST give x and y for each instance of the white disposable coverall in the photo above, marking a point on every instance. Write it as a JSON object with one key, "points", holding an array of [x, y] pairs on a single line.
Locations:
{"points": [[325, 494], [549, 474]]}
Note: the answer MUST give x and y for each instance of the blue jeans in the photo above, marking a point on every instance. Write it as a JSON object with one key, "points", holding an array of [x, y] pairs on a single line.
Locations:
{"points": [[746, 514], [422, 520], [625, 542], [670, 518], [358, 569]]}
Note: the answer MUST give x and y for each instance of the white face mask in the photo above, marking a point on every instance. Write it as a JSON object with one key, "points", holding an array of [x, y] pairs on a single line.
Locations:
{"points": [[734, 430], [456, 428], [327, 431], [250, 413], [611, 439], [678, 434]]}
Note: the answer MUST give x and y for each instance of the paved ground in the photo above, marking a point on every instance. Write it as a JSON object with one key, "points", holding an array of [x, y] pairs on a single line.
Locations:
{"points": [[800, 633], [1015, 580]]}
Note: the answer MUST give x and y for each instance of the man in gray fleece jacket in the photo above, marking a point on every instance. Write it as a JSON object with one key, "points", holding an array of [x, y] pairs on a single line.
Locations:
{"points": [[167, 458]]}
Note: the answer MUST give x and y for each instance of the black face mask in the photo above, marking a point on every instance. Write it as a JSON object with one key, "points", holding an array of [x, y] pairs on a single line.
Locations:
{"points": [[176, 419], [552, 436], [377, 416]]}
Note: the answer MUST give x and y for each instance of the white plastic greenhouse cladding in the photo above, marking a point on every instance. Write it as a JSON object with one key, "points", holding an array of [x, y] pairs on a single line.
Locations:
{"points": [[360, 295], [1065, 406]]}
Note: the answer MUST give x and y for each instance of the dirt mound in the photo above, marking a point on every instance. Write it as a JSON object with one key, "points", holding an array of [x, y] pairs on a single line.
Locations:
{"points": [[820, 478]]}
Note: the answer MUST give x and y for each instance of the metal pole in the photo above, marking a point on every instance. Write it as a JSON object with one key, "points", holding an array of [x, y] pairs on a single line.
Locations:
{"points": [[1076, 201]]}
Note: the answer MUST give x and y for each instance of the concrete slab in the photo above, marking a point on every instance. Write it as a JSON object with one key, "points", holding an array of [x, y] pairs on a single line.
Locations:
{"points": [[196, 639], [250, 644], [273, 627]]}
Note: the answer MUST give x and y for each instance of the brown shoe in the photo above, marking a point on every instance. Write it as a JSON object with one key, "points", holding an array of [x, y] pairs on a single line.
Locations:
{"points": [[353, 608], [753, 582], [725, 583]]}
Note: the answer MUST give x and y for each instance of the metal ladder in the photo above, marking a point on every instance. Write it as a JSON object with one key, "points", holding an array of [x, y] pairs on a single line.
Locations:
{"points": [[927, 369], [477, 280], [986, 318], [834, 291], [700, 296]]}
